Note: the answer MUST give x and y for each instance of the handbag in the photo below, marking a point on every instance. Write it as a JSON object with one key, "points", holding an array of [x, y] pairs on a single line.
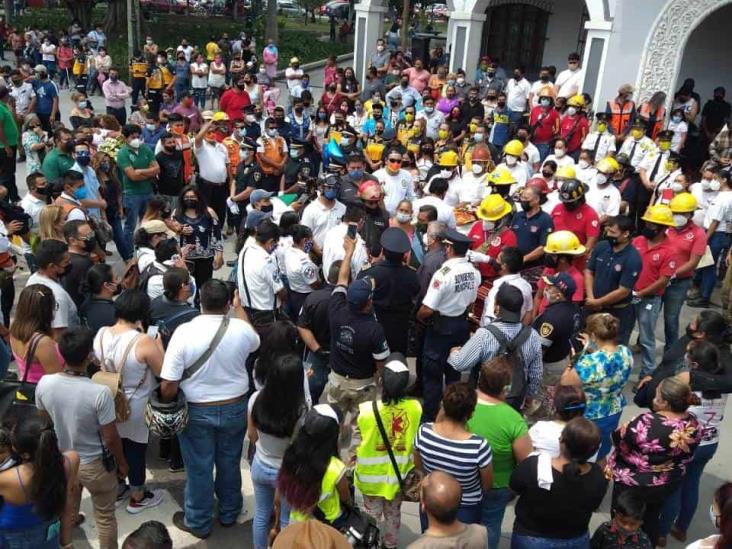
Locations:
{"points": [[18, 398], [359, 528], [112, 376], [102, 229], [410, 485]]}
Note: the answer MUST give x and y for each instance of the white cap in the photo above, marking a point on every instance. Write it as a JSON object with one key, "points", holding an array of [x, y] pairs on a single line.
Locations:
{"points": [[326, 410]]}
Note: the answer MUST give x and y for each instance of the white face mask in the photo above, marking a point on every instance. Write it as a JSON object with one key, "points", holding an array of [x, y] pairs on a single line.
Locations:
{"points": [[545, 102], [477, 169], [272, 132], [250, 118], [583, 164], [714, 185], [511, 160], [600, 179], [426, 240], [559, 153], [403, 217], [679, 220], [677, 187], [571, 111], [445, 174], [489, 225], [135, 143]]}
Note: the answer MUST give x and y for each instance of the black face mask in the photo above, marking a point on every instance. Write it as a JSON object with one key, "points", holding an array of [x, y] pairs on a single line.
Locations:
{"points": [[525, 205], [378, 116], [267, 209], [544, 78], [612, 240], [491, 74], [190, 203], [547, 175], [43, 191], [169, 149], [89, 245], [551, 261], [650, 233], [421, 227], [571, 206], [501, 103]]}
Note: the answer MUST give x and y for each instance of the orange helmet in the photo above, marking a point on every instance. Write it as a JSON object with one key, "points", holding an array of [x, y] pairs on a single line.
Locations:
{"points": [[480, 153]]}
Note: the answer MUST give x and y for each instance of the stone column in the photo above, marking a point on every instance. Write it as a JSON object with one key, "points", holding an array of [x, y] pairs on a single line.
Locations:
{"points": [[369, 28], [465, 35]]}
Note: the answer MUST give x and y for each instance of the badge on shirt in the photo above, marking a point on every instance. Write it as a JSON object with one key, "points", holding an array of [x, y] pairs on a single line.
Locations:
{"points": [[656, 257], [618, 267], [534, 228], [594, 221], [257, 176], [546, 329], [496, 242], [309, 272], [579, 215]]}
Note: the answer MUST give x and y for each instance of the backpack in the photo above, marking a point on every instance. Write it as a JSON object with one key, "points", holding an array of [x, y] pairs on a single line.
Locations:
{"points": [[147, 273], [511, 350]]}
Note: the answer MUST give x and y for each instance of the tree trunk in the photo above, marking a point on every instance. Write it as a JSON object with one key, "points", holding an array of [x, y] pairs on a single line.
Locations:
{"points": [[115, 20], [406, 9], [81, 10], [271, 28], [138, 24], [9, 12]]}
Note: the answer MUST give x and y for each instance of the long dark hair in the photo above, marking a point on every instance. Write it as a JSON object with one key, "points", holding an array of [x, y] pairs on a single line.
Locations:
{"points": [[307, 459], [282, 339], [282, 400], [201, 207], [579, 442], [723, 497], [714, 327], [34, 436], [34, 313]]}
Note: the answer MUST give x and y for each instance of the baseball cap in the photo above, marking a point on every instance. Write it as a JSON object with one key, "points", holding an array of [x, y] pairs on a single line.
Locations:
{"points": [[396, 374], [359, 292], [255, 217], [156, 226], [40, 68], [563, 282], [258, 194], [510, 300]]}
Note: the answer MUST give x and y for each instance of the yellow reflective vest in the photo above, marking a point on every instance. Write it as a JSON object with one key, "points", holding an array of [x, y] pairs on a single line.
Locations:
{"points": [[374, 474], [330, 501]]}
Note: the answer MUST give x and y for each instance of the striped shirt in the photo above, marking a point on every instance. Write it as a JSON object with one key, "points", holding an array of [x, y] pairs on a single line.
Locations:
{"points": [[463, 459]]}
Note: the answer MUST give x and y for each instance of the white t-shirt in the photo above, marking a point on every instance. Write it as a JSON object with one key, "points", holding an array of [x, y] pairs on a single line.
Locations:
{"points": [[32, 206], [333, 251], [262, 278], [224, 375], [321, 219], [703, 200], [566, 160], [200, 82], [23, 95], [720, 209], [552, 199], [517, 94], [532, 155], [679, 129], [66, 315], [445, 213], [568, 82], [520, 173], [585, 174], [469, 188], [49, 52], [213, 161], [605, 201], [289, 71], [216, 80], [490, 301], [300, 270], [187, 51], [397, 187]]}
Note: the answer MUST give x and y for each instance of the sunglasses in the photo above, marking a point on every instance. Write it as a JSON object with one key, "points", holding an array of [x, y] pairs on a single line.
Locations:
{"points": [[395, 161]]}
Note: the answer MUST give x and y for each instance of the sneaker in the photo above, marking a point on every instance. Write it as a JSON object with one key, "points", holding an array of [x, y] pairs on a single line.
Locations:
{"points": [[179, 520], [150, 499], [176, 467], [699, 303]]}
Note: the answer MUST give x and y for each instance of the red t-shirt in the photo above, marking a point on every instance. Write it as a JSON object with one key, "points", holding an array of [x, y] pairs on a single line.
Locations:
{"points": [[690, 240], [232, 103], [660, 260], [544, 129], [583, 221], [567, 126], [494, 246], [579, 294]]}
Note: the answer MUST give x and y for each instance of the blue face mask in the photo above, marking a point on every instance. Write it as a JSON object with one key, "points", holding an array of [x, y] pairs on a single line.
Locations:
{"points": [[243, 132], [308, 246], [356, 174], [80, 193], [330, 194]]}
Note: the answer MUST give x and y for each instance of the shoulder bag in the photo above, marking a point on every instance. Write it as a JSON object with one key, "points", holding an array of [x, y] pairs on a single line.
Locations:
{"points": [[112, 376], [18, 398], [411, 483]]}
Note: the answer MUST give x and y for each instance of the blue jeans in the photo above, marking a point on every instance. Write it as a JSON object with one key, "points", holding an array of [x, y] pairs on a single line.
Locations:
{"points": [[118, 235], [263, 479], [515, 117], [42, 536], [607, 426], [493, 510], [718, 244], [199, 97], [135, 205], [673, 299], [647, 312], [213, 437], [681, 506], [530, 542], [319, 377]]}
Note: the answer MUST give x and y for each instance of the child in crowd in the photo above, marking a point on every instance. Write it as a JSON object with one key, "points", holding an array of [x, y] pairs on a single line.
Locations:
{"points": [[624, 530]]}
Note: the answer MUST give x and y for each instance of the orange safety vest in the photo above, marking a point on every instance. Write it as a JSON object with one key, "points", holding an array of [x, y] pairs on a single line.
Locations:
{"points": [[272, 152], [619, 116], [645, 112], [185, 146], [232, 148]]}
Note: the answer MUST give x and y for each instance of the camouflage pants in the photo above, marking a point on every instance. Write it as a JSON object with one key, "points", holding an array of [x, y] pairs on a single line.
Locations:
{"points": [[391, 514]]}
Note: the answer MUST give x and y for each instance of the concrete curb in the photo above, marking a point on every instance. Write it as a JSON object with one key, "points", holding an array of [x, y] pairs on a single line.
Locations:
{"points": [[317, 64]]}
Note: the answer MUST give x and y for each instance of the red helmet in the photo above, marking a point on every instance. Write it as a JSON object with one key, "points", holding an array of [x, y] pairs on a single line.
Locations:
{"points": [[539, 184]]}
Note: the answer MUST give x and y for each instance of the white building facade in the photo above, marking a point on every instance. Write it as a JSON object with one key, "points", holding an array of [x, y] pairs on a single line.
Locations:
{"points": [[652, 44]]}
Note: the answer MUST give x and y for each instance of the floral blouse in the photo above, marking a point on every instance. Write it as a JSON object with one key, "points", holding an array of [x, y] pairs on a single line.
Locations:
{"points": [[653, 450], [33, 158], [603, 377]]}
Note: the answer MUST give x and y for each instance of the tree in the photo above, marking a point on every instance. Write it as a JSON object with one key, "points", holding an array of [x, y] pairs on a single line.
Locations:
{"points": [[271, 28], [405, 24], [81, 10], [310, 6], [115, 18]]}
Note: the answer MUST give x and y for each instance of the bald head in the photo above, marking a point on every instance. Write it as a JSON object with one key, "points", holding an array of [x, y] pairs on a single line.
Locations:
{"points": [[441, 495]]}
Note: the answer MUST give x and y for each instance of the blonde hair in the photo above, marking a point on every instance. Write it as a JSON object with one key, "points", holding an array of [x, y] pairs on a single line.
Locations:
{"points": [[77, 96], [603, 326], [48, 218]]}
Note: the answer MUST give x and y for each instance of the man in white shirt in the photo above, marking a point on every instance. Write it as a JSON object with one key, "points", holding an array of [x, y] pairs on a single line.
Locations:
{"points": [[397, 184], [258, 276], [216, 392], [23, 94], [517, 95], [568, 81], [333, 242], [74, 192], [213, 169], [432, 117], [537, 86], [53, 260], [533, 158], [37, 197], [186, 48], [603, 196], [600, 142], [436, 198], [511, 261], [323, 213], [293, 74]]}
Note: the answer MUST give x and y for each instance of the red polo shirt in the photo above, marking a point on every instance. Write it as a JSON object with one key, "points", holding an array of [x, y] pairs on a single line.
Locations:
{"points": [[659, 260], [496, 242], [689, 240], [543, 123], [579, 294], [583, 221], [573, 129]]}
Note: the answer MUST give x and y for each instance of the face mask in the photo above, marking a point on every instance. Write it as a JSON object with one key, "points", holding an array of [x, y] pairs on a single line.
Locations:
{"points": [[501, 104], [307, 248], [677, 187], [377, 116], [442, 134], [294, 153], [545, 102], [426, 240], [477, 169], [650, 233], [150, 127], [571, 206], [559, 153], [714, 185], [345, 141], [602, 128], [571, 111], [445, 174], [451, 82], [478, 137], [113, 77], [403, 217], [161, 60], [489, 225], [272, 132], [89, 245], [83, 159], [525, 205], [356, 174], [583, 164], [637, 134], [409, 117], [676, 119], [190, 203], [330, 194], [551, 262], [664, 145], [80, 193], [169, 149], [600, 179], [612, 240], [461, 80], [491, 74], [135, 143], [511, 160], [104, 166], [680, 220], [429, 110], [547, 175], [544, 78], [379, 48]]}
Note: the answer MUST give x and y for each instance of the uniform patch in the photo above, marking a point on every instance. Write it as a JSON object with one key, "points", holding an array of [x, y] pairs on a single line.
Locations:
{"points": [[689, 236], [579, 215], [257, 176], [496, 242], [436, 284], [309, 272], [594, 221], [546, 329], [534, 228], [656, 257], [618, 267]]}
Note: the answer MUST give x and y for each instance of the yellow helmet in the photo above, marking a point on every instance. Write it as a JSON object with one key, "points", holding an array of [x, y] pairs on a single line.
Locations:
{"points": [[566, 172], [683, 203], [576, 101], [563, 242], [660, 214], [220, 116], [448, 158], [514, 148], [607, 165], [493, 207], [501, 176]]}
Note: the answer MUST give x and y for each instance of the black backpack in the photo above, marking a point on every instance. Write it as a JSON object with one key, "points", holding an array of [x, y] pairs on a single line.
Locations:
{"points": [[149, 272], [511, 350]]}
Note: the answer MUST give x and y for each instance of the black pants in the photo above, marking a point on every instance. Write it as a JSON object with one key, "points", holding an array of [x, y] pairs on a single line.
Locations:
{"points": [[202, 271], [135, 456], [138, 87], [120, 114], [7, 298], [654, 498], [436, 372], [215, 195], [396, 329], [7, 172], [155, 97]]}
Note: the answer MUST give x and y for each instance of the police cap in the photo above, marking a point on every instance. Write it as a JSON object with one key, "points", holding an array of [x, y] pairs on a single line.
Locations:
{"points": [[394, 239], [457, 240]]}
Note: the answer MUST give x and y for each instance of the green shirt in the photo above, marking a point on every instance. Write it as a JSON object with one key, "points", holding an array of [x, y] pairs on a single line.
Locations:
{"points": [[138, 159], [500, 425], [56, 164], [10, 128]]}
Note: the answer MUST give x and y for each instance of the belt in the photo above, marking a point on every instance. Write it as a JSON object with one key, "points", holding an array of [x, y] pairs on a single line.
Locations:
{"points": [[353, 378], [213, 182], [217, 402]]}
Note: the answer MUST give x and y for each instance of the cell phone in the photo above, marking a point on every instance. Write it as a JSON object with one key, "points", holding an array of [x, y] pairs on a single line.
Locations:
{"points": [[152, 331], [352, 232]]}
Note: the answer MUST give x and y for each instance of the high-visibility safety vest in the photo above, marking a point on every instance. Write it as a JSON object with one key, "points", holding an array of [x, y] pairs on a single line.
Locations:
{"points": [[655, 119], [273, 151], [232, 149], [330, 501], [138, 69], [374, 474], [620, 115]]}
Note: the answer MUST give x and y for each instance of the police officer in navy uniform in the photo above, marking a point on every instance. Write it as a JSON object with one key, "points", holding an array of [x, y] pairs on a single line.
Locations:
{"points": [[396, 287], [298, 168], [244, 182], [444, 309]]}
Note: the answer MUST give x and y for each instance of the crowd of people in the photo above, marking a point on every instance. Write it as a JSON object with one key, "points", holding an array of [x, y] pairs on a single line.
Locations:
{"points": [[436, 279]]}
